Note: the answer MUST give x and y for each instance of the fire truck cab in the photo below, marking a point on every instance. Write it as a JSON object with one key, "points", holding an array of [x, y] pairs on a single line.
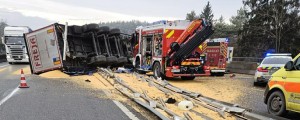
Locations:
{"points": [[153, 48]]}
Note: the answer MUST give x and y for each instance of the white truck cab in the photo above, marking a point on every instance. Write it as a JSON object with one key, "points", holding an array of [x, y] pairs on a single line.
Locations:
{"points": [[14, 42]]}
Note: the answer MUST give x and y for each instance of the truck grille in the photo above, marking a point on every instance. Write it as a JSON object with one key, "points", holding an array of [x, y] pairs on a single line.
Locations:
{"points": [[16, 51]]}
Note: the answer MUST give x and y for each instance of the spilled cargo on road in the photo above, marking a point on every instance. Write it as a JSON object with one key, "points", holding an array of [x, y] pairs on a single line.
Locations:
{"points": [[76, 49]]}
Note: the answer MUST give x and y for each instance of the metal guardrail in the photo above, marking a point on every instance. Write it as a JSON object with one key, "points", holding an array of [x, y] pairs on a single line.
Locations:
{"points": [[247, 59], [197, 98]]}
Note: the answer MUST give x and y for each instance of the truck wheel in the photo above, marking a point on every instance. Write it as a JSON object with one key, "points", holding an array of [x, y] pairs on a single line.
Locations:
{"points": [[115, 31], [91, 27], [9, 62], [187, 77], [138, 66], [221, 74], [103, 30], [276, 104], [157, 70], [77, 29]]}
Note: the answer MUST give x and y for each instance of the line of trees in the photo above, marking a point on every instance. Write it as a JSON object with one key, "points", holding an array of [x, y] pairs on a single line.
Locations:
{"points": [[2, 25], [260, 26]]}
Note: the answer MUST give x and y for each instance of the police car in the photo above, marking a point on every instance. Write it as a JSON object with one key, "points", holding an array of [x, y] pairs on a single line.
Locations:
{"points": [[270, 64], [282, 93]]}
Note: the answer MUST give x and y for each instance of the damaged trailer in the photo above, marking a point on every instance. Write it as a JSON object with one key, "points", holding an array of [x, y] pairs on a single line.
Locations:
{"points": [[76, 49]]}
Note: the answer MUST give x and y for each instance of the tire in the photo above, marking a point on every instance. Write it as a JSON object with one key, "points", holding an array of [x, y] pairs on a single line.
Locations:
{"points": [[255, 83], [77, 29], [221, 74], [137, 67], [115, 31], [103, 30], [188, 77], [10, 63], [156, 70], [90, 27], [276, 104]]}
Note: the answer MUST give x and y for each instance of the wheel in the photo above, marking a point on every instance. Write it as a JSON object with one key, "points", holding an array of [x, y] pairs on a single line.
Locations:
{"points": [[103, 30], [115, 31], [77, 29], [9, 62], [276, 104], [255, 83], [91, 27], [156, 70], [187, 77], [221, 74]]}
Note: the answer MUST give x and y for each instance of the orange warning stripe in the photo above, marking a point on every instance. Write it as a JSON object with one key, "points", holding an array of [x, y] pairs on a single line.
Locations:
{"points": [[288, 86], [190, 63]]}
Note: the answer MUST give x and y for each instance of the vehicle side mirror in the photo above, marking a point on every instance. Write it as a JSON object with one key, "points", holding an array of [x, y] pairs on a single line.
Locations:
{"points": [[289, 66]]}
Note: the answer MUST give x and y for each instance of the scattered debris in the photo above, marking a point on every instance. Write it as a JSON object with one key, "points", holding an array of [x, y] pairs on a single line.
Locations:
{"points": [[87, 80], [185, 105]]}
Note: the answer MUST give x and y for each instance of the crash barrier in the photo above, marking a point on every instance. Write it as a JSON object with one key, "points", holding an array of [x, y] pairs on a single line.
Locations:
{"points": [[162, 85], [242, 67], [247, 59], [2, 53]]}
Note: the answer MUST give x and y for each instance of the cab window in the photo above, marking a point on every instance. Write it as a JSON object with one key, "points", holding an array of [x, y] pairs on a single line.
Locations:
{"points": [[297, 64]]}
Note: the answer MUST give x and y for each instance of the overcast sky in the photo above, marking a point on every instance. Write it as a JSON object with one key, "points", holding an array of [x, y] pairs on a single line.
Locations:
{"points": [[39, 13]]}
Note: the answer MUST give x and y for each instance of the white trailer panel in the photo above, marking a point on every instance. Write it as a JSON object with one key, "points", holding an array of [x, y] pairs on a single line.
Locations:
{"points": [[43, 50]]}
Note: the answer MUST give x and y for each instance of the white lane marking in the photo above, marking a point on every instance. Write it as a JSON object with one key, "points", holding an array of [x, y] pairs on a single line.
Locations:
{"points": [[125, 110], [9, 96], [4, 65]]}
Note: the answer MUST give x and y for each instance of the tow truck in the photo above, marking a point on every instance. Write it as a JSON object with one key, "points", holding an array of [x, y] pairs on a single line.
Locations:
{"points": [[168, 48]]}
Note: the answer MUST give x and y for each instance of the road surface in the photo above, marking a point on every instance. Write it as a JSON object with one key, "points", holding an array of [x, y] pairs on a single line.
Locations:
{"points": [[50, 99]]}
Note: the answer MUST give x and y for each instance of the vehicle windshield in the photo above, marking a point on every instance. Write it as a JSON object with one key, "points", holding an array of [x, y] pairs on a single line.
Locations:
{"points": [[276, 60], [14, 40]]}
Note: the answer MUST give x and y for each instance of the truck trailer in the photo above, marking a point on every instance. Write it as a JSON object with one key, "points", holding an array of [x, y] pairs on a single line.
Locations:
{"points": [[76, 49], [14, 42]]}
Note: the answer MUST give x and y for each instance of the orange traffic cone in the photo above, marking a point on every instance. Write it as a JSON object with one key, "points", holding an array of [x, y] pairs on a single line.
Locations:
{"points": [[23, 83]]}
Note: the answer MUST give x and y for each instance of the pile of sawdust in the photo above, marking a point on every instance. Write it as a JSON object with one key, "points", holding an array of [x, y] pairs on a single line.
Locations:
{"points": [[155, 93], [216, 88], [54, 74]]}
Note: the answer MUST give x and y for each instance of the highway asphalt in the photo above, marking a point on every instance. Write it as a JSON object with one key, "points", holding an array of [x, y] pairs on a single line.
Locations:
{"points": [[52, 99]]}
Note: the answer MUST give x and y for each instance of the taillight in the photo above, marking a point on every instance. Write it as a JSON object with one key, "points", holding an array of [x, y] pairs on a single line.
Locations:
{"points": [[260, 69]]}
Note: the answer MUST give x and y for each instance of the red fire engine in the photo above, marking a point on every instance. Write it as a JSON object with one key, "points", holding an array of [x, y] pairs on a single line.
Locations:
{"points": [[215, 51], [169, 48]]}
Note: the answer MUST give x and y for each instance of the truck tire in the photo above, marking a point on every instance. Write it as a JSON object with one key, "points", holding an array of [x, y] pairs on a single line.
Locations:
{"points": [[103, 30], [276, 104], [10, 63], [187, 77], [138, 66], [77, 29], [156, 70], [115, 31], [90, 27]]}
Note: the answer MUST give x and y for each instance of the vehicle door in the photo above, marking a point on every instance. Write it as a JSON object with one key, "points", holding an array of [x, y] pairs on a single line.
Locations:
{"points": [[292, 86]]}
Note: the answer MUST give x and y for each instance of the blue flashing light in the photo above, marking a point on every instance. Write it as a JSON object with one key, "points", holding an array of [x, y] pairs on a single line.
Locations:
{"points": [[268, 54], [227, 40]]}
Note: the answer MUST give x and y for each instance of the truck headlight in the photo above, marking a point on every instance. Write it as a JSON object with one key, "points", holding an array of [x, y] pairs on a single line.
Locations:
{"points": [[8, 56]]}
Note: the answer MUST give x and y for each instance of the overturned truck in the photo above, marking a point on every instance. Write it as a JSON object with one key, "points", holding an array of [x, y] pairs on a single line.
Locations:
{"points": [[76, 49]]}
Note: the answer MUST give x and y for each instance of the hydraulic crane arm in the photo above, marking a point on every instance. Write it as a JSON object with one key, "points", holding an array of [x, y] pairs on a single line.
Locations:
{"points": [[193, 36]]}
